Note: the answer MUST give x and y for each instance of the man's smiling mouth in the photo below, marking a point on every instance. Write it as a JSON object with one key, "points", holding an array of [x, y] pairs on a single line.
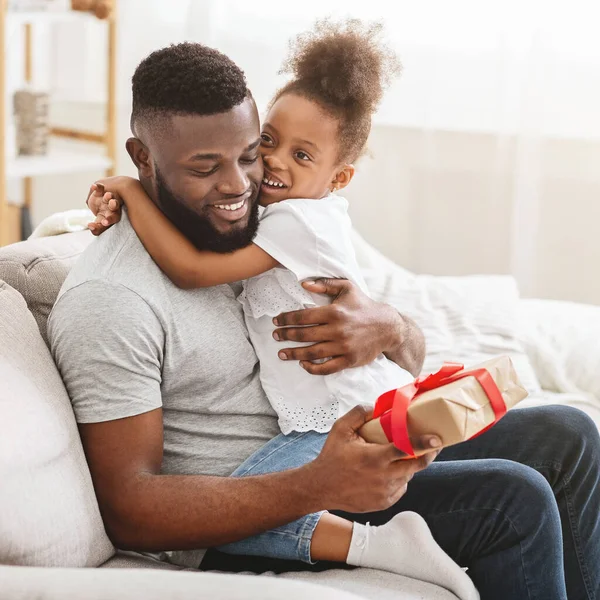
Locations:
{"points": [[232, 206], [232, 211]]}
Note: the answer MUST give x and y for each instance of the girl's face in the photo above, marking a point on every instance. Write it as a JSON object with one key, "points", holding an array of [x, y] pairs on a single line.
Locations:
{"points": [[300, 152]]}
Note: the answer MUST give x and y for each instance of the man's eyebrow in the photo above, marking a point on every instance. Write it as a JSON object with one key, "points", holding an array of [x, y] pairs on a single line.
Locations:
{"points": [[209, 156], [217, 156]]}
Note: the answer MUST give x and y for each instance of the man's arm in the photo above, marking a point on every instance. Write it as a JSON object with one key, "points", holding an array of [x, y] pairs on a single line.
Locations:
{"points": [[353, 329], [407, 342], [108, 345], [149, 511]]}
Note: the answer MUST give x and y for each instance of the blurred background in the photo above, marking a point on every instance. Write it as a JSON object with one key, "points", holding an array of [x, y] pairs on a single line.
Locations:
{"points": [[484, 157]]}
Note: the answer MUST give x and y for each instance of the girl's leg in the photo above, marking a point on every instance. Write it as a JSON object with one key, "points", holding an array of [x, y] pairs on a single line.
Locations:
{"points": [[404, 545], [293, 540]]}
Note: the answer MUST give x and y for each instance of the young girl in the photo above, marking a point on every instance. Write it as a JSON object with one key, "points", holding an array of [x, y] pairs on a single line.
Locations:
{"points": [[317, 126]]}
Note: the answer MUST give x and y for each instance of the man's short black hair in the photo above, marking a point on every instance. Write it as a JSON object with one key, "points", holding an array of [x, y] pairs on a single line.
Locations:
{"points": [[185, 79]]}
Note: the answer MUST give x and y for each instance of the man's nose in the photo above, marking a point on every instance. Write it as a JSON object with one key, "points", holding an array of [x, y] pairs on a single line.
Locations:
{"points": [[234, 182], [273, 162]]}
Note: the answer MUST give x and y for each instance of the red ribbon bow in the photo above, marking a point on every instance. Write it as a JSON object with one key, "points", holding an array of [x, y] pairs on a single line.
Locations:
{"points": [[392, 406]]}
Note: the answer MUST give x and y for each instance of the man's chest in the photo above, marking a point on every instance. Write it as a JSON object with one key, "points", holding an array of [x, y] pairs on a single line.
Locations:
{"points": [[207, 350]]}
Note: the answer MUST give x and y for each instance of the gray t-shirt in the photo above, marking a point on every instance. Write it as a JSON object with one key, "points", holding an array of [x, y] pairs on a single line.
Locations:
{"points": [[127, 341]]}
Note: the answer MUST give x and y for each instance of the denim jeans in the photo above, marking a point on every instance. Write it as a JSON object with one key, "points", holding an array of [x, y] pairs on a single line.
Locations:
{"points": [[519, 506], [291, 541]]}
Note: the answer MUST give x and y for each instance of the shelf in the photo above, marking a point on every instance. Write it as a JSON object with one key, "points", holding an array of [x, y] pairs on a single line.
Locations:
{"points": [[18, 17], [55, 163]]}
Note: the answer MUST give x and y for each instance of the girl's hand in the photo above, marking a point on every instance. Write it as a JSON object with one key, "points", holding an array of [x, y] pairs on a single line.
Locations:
{"points": [[106, 206]]}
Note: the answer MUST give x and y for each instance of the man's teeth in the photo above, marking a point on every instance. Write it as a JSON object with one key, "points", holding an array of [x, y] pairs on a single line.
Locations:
{"points": [[231, 206], [272, 183]]}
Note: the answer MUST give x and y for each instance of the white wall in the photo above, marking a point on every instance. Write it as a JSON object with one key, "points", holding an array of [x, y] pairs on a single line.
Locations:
{"points": [[457, 181]]}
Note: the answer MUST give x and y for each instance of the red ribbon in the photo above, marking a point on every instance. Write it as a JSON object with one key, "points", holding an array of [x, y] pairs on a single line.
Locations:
{"points": [[392, 406]]}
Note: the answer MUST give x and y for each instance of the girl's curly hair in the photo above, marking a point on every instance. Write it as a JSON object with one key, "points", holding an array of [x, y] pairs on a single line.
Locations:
{"points": [[345, 67]]}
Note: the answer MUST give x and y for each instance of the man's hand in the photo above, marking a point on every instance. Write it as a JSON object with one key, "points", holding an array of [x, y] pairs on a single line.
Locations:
{"points": [[352, 331], [355, 476]]}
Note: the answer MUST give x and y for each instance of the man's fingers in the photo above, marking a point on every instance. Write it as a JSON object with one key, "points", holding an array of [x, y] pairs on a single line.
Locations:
{"points": [[399, 492], [307, 316], [422, 462], [410, 466], [419, 445], [353, 420], [329, 286], [314, 333], [317, 351], [335, 365]]}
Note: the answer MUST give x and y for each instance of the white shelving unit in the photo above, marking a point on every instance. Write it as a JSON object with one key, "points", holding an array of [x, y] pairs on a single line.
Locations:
{"points": [[57, 161], [23, 17]]}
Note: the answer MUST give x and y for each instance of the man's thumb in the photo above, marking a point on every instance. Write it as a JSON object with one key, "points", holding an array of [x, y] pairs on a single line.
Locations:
{"points": [[354, 419]]}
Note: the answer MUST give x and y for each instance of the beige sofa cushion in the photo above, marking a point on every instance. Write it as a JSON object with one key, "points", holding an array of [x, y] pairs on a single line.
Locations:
{"points": [[37, 269], [142, 584], [49, 515]]}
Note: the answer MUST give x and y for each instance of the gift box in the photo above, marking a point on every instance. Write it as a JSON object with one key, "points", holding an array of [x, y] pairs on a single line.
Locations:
{"points": [[455, 404]]}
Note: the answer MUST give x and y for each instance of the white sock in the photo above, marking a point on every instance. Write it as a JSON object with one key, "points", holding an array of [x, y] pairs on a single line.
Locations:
{"points": [[405, 546]]}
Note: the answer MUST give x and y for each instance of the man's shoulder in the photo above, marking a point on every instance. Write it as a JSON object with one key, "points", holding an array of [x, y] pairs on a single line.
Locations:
{"points": [[118, 259], [114, 271], [96, 303]]}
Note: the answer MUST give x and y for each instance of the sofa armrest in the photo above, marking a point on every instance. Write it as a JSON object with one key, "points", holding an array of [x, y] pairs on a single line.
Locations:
{"points": [[562, 340]]}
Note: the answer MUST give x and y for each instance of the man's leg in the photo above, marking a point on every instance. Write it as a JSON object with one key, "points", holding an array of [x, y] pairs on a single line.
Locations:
{"points": [[501, 494], [558, 440], [563, 445], [496, 517], [475, 512]]}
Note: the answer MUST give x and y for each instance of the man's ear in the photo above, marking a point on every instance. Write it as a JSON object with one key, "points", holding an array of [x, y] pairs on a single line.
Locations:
{"points": [[140, 155], [342, 178]]}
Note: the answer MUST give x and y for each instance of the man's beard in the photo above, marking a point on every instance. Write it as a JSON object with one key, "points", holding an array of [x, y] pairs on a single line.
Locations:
{"points": [[197, 227]]}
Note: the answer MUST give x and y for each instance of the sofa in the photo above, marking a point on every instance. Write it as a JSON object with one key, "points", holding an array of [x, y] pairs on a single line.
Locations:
{"points": [[52, 541]]}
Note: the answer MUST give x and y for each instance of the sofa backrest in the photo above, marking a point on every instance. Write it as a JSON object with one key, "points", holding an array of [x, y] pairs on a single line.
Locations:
{"points": [[49, 514], [37, 269]]}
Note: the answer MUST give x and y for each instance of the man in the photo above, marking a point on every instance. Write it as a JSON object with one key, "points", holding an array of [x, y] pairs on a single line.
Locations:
{"points": [[165, 388]]}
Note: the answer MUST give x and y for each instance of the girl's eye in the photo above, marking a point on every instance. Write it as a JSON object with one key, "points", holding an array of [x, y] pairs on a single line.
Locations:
{"points": [[266, 139], [302, 155]]}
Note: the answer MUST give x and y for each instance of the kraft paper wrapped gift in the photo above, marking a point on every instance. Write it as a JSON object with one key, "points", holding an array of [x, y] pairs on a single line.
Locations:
{"points": [[447, 403]]}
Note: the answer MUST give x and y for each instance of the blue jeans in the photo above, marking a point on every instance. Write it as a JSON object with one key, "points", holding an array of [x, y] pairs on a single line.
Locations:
{"points": [[519, 506], [291, 541]]}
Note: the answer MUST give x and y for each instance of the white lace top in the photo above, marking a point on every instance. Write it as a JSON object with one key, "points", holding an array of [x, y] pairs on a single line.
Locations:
{"points": [[309, 239]]}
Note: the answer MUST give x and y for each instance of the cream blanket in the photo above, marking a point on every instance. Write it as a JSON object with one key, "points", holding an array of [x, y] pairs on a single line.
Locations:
{"points": [[64, 222]]}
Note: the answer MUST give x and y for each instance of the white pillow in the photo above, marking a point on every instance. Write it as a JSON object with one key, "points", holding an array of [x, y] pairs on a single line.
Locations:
{"points": [[464, 319], [49, 515], [562, 340]]}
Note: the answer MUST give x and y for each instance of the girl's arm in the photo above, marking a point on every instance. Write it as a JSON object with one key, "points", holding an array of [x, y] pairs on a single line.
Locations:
{"points": [[185, 265]]}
